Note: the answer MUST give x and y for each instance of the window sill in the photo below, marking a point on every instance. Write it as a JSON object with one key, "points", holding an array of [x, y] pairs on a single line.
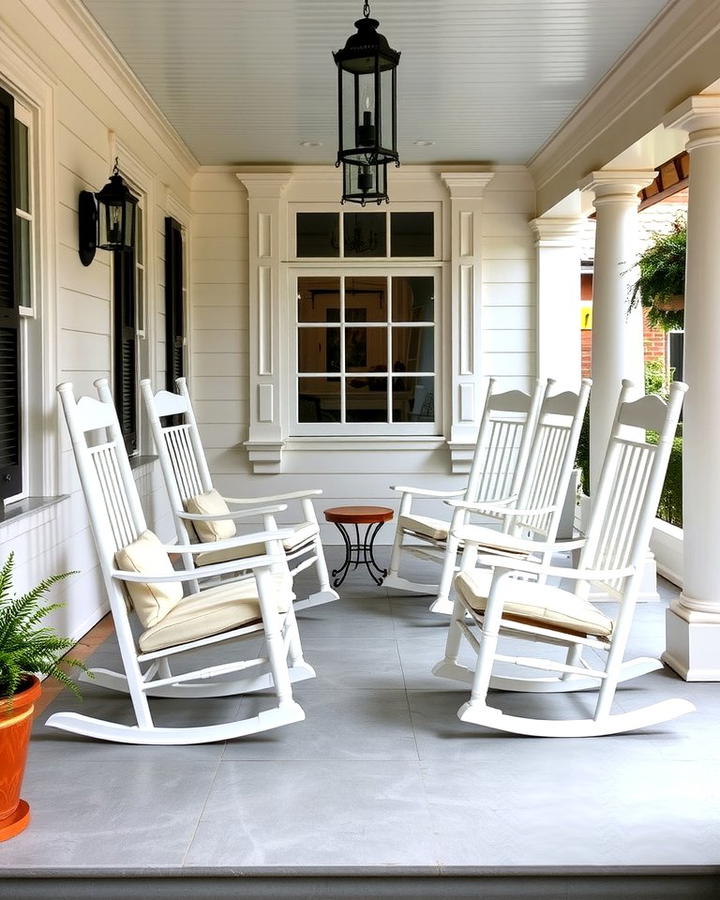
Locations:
{"points": [[387, 443], [27, 507], [137, 462]]}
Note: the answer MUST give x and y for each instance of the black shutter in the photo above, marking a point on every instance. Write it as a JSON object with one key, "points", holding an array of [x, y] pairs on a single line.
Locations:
{"points": [[174, 312], [10, 398], [125, 346]]}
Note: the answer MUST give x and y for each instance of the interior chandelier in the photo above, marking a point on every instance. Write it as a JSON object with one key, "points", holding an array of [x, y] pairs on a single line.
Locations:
{"points": [[367, 112]]}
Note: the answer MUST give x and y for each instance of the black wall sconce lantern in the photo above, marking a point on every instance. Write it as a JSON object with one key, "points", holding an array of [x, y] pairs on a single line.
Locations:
{"points": [[367, 112], [106, 219]]}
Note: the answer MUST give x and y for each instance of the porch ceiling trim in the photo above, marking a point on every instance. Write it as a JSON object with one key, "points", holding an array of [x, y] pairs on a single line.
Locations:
{"points": [[677, 56], [77, 31]]}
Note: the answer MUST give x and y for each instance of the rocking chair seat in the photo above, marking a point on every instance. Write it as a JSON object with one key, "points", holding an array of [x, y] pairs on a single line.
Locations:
{"points": [[536, 604], [211, 612], [426, 526], [303, 532]]}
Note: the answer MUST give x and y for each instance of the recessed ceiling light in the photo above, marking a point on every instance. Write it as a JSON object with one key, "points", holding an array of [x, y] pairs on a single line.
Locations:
{"points": [[311, 143], [424, 143]]}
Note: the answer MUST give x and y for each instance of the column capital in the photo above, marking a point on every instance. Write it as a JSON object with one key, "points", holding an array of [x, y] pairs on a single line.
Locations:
{"points": [[269, 185], [467, 185], [617, 185], [557, 231], [700, 117]]}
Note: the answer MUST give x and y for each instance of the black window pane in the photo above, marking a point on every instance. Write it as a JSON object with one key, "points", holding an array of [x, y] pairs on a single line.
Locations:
{"points": [[366, 399], [413, 399], [365, 349], [366, 299], [413, 349], [413, 299], [318, 299], [365, 234], [412, 234], [319, 350], [318, 400], [22, 174], [317, 234]]}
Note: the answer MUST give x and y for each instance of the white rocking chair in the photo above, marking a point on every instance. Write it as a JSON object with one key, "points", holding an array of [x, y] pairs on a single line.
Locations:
{"points": [[519, 604], [501, 451], [132, 559], [530, 523], [189, 486]]}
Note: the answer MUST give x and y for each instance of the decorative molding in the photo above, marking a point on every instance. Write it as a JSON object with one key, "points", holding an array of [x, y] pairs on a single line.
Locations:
{"points": [[265, 456], [270, 185], [617, 182], [466, 185], [558, 231]]}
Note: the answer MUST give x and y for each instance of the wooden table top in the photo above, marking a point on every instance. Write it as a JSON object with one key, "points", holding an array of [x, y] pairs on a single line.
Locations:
{"points": [[359, 515]]}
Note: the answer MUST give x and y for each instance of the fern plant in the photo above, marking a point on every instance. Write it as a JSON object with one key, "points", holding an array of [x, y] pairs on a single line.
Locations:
{"points": [[26, 646], [662, 277]]}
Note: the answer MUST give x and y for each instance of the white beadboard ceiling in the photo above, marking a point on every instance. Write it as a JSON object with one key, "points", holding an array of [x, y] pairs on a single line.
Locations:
{"points": [[246, 81]]}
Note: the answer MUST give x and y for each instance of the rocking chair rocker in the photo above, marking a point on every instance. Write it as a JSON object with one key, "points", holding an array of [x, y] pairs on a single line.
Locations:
{"points": [[132, 559], [530, 523], [501, 452], [200, 513], [520, 604]]}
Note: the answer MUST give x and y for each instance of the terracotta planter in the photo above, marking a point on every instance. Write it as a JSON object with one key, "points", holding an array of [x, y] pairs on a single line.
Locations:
{"points": [[15, 726], [670, 304]]}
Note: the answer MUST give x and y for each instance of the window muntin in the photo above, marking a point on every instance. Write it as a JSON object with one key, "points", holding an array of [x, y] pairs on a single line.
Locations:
{"points": [[366, 356], [24, 210]]}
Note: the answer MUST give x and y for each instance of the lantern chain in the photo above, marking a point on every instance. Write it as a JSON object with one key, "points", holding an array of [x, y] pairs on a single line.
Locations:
{"points": [[366, 9], [116, 167]]}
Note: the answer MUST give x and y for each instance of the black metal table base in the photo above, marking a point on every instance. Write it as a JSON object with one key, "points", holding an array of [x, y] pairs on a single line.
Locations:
{"points": [[363, 553]]}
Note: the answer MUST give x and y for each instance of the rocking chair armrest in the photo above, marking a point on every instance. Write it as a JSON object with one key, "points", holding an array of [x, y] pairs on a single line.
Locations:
{"points": [[425, 492], [240, 540], [499, 507], [536, 568], [291, 495], [231, 514], [226, 568]]}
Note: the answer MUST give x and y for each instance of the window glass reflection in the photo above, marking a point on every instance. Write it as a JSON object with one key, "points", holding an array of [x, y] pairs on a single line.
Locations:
{"points": [[318, 299], [317, 234], [413, 299], [412, 234], [365, 234], [319, 400], [366, 399], [366, 299], [318, 350], [365, 349], [413, 349], [413, 398]]}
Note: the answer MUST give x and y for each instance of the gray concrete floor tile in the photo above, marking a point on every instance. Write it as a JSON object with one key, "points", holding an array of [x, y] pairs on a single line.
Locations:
{"points": [[339, 725], [358, 663], [340, 813], [109, 813]]}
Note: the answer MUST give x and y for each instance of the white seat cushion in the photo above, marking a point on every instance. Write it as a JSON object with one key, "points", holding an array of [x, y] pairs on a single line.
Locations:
{"points": [[213, 611], [210, 504], [492, 539], [425, 525], [301, 533], [153, 601], [539, 604]]}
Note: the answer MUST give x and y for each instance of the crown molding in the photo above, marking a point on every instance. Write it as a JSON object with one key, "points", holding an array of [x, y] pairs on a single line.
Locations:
{"points": [[72, 25], [677, 52]]}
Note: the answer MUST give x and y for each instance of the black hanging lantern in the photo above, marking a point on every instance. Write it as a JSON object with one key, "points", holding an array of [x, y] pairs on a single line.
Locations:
{"points": [[367, 112], [107, 219]]}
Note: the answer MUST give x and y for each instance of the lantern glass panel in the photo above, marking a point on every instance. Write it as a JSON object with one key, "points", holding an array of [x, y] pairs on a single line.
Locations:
{"points": [[347, 123], [366, 116], [364, 182], [129, 224], [386, 110]]}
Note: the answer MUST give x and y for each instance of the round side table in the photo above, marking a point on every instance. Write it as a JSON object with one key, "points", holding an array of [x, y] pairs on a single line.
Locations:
{"points": [[373, 517]]}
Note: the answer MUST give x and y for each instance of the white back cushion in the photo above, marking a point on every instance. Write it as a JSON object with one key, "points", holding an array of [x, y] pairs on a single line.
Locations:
{"points": [[208, 504], [152, 602]]}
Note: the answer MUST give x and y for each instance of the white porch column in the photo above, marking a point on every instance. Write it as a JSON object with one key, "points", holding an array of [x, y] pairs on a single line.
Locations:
{"points": [[557, 324], [463, 230], [267, 231], [693, 622], [617, 337]]}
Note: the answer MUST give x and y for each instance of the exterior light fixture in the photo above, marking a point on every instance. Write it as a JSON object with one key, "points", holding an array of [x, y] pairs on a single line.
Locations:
{"points": [[367, 112], [106, 219]]}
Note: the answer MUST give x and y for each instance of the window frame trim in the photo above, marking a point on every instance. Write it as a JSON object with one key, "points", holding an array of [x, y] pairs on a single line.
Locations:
{"points": [[346, 430]]}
